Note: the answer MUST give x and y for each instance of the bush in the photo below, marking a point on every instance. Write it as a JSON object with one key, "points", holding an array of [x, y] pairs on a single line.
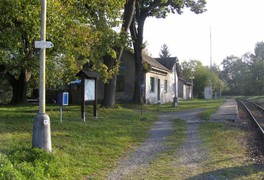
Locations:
{"points": [[29, 164]]}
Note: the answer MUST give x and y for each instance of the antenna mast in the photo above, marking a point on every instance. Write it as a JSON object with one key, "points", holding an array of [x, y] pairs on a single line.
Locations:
{"points": [[211, 84]]}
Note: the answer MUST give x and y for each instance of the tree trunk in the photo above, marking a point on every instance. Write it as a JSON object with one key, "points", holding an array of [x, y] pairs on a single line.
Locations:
{"points": [[19, 86], [137, 36], [110, 87]]}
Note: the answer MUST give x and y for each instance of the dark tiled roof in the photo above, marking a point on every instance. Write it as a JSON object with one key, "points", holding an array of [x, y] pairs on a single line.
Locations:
{"points": [[154, 63], [168, 62], [88, 74], [184, 81]]}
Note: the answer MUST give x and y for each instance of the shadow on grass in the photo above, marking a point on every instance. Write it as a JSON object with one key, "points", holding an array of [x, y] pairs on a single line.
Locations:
{"points": [[231, 172]]}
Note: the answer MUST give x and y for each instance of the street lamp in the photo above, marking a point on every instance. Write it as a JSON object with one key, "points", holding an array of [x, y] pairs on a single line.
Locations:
{"points": [[41, 127], [220, 93]]}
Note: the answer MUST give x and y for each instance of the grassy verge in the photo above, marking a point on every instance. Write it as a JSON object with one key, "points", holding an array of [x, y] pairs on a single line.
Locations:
{"points": [[226, 151], [79, 149], [90, 149], [210, 106], [259, 99]]}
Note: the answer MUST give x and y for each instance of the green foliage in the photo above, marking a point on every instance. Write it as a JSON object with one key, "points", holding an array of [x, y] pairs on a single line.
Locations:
{"points": [[146, 67], [201, 76], [29, 164], [81, 31], [20, 27], [5, 91], [164, 51], [244, 75]]}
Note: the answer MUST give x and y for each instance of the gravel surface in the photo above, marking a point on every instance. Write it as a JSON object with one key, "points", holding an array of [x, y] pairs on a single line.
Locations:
{"points": [[191, 154], [254, 139], [146, 152]]}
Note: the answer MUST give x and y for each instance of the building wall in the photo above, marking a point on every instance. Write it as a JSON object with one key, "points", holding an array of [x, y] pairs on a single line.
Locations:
{"points": [[126, 83], [127, 74], [184, 90], [165, 96], [180, 89]]}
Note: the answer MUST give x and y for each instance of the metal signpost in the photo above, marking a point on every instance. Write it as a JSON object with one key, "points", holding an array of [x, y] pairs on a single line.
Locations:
{"points": [[63, 100], [41, 126]]}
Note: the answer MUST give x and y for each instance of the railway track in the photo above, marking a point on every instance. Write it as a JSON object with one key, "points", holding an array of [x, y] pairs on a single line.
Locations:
{"points": [[256, 112]]}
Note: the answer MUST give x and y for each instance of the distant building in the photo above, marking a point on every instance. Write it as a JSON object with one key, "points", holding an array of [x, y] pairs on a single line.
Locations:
{"points": [[162, 82], [185, 89]]}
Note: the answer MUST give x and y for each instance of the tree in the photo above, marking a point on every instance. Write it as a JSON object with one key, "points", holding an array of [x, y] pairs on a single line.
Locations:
{"points": [[259, 50], [244, 75], [110, 87], [105, 17], [164, 51], [159, 9], [201, 74], [20, 27], [235, 73], [84, 34], [256, 68]]}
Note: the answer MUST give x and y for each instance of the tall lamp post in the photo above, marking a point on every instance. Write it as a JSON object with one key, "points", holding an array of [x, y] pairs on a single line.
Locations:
{"points": [[220, 91], [41, 127]]}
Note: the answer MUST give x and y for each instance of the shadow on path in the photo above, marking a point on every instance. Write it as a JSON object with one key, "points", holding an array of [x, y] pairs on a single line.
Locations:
{"points": [[230, 173]]}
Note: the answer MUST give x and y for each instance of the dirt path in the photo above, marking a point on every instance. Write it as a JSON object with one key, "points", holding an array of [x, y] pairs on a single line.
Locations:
{"points": [[190, 153]]}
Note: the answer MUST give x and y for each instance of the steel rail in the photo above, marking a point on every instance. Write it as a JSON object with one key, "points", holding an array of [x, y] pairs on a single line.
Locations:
{"points": [[252, 116], [255, 104]]}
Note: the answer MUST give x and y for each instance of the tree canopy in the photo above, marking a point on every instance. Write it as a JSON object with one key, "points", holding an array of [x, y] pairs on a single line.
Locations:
{"points": [[164, 51], [201, 74], [244, 75], [158, 9], [82, 31]]}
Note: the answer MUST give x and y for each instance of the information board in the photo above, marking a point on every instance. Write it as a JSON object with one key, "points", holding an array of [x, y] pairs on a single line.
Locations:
{"points": [[89, 90]]}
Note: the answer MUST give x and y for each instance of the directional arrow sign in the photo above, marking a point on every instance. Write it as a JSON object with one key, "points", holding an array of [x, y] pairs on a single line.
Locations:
{"points": [[43, 44]]}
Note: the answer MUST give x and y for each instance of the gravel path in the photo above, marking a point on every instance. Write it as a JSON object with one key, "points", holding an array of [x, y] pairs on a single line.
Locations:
{"points": [[143, 155], [191, 153]]}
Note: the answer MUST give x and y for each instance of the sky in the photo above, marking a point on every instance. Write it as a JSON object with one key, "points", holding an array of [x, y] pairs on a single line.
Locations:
{"points": [[236, 26]]}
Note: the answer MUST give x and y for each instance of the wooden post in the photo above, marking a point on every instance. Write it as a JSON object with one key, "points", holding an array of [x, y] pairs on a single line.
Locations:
{"points": [[83, 98], [95, 99]]}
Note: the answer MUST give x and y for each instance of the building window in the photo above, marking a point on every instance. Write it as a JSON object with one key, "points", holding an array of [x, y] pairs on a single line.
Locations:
{"points": [[165, 86], [120, 84], [152, 84]]}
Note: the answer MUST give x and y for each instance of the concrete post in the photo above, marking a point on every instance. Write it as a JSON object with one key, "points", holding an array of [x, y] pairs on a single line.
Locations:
{"points": [[41, 126]]}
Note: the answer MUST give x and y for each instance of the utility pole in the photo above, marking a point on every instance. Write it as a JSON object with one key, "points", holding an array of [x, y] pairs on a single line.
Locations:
{"points": [[211, 57], [41, 126]]}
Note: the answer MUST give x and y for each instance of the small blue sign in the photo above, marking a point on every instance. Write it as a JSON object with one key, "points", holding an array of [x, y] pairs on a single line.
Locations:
{"points": [[63, 99]]}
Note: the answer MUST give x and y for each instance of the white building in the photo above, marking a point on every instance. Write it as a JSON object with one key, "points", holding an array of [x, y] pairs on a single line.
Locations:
{"points": [[161, 80]]}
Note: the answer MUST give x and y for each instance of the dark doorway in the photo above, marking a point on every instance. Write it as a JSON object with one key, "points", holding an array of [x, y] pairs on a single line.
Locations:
{"points": [[158, 89]]}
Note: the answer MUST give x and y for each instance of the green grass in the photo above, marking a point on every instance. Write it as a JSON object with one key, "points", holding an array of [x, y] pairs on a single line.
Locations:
{"points": [[259, 99], [209, 106], [183, 105], [90, 149], [226, 151], [80, 149]]}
